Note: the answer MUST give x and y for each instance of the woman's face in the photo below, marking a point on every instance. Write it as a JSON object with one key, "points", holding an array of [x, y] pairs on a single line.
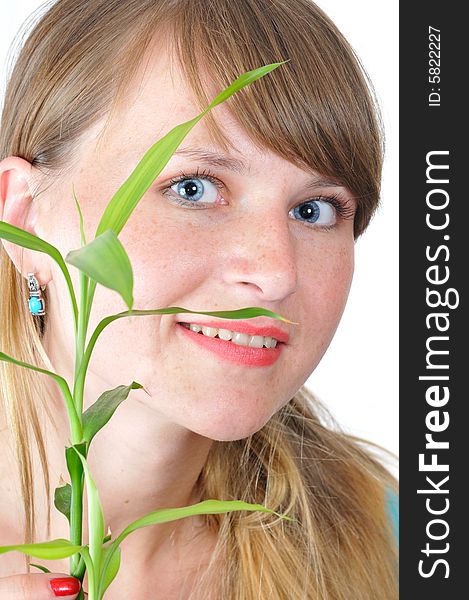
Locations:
{"points": [[255, 240]]}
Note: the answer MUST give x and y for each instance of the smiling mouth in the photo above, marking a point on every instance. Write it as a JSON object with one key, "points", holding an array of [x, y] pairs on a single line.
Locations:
{"points": [[235, 337]]}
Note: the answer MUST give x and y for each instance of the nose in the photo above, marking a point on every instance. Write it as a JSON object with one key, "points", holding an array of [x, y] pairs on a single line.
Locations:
{"points": [[259, 252]]}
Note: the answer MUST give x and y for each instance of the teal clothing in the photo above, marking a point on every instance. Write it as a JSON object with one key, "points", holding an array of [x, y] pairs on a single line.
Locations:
{"points": [[392, 503]]}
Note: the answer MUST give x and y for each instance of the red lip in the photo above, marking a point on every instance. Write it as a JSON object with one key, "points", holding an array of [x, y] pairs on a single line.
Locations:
{"points": [[243, 327], [226, 350]]}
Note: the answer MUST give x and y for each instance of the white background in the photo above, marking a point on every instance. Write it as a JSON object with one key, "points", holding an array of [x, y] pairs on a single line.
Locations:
{"points": [[358, 376]]}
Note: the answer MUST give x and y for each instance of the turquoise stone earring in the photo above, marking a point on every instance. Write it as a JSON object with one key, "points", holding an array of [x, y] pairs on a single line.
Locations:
{"points": [[36, 301]]}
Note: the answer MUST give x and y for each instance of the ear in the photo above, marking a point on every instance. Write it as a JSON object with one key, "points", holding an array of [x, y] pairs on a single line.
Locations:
{"points": [[17, 208]]}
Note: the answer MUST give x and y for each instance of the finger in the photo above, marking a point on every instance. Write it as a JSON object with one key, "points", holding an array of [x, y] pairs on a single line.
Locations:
{"points": [[39, 586]]}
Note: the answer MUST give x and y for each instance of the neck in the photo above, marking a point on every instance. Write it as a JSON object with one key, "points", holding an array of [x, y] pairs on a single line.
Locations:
{"points": [[140, 462]]}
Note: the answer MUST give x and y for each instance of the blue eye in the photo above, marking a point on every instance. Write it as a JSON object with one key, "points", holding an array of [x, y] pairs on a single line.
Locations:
{"points": [[191, 190], [197, 190], [317, 212]]}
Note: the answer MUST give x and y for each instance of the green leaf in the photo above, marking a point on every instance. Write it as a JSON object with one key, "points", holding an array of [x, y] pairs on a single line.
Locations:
{"points": [[81, 595], [23, 238], [53, 550], [80, 569], [74, 465], [93, 581], [62, 499], [97, 415], [155, 159], [75, 469], [110, 570], [80, 214], [95, 516], [63, 385], [105, 261], [41, 568], [243, 81], [242, 313], [206, 507], [20, 363]]}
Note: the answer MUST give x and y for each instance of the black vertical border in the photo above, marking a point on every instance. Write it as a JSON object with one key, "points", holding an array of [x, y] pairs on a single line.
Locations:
{"points": [[423, 129]]}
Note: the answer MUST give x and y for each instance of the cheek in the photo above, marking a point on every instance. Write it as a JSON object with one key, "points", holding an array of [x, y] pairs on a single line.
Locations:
{"points": [[169, 262], [337, 277], [326, 294]]}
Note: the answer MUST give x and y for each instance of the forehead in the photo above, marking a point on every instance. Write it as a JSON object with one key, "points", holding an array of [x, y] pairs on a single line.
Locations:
{"points": [[157, 99], [206, 156]]}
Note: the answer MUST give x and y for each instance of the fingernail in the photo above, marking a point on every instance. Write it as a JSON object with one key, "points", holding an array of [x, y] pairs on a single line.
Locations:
{"points": [[65, 586]]}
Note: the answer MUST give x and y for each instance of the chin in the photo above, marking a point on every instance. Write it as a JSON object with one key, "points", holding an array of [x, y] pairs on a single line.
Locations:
{"points": [[238, 429]]}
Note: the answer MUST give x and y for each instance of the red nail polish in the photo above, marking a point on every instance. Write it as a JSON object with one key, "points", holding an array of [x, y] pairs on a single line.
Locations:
{"points": [[65, 586]]}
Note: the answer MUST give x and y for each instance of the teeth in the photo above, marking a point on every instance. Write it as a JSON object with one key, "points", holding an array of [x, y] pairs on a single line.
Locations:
{"points": [[241, 339], [257, 341], [210, 331], [225, 334]]}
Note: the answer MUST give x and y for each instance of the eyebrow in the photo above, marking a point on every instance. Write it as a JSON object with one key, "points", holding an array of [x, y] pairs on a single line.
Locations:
{"points": [[239, 166], [213, 158]]}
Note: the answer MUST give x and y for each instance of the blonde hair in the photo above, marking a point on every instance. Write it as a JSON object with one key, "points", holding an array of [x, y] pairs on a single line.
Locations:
{"points": [[318, 111]]}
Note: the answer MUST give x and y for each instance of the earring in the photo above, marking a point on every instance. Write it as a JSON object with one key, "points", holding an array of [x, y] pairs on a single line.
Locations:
{"points": [[36, 301]]}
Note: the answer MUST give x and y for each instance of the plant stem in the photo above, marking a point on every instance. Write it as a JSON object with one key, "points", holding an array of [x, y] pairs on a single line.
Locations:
{"points": [[76, 431], [83, 318], [76, 519], [77, 481], [82, 322], [86, 298], [92, 582]]}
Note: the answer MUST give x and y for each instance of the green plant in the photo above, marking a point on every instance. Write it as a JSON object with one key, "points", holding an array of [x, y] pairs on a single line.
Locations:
{"points": [[101, 556]]}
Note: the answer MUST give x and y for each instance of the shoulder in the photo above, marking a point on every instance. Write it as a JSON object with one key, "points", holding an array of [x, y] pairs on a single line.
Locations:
{"points": [[392, 507]]}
